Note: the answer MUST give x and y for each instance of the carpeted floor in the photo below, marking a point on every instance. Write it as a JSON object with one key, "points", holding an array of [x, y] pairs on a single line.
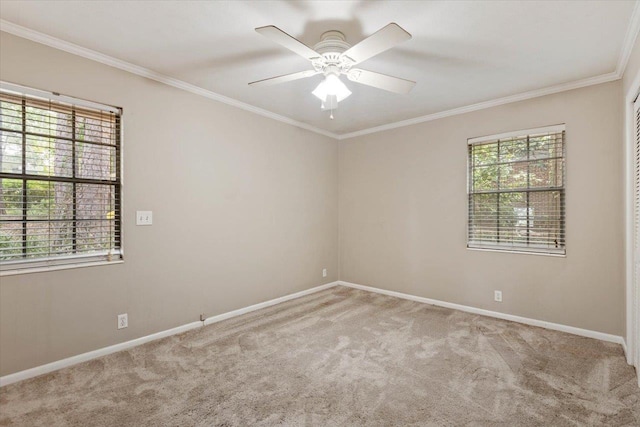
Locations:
{"points": [[342, 357]]}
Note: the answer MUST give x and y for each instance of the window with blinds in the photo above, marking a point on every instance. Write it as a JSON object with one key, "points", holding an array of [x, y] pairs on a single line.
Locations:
{"points": [[59, 180], [516, 191]]}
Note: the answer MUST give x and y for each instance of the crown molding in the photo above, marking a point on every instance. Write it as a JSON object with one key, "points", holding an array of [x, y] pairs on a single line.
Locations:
{"points": [[93, 55], [604, 78], [630, 38], [627, 47]]}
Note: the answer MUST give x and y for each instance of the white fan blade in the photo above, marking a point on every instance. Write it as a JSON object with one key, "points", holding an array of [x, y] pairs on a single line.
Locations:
{"points": [[277, 35], [380, 81], [383, 39], [285, 78]]}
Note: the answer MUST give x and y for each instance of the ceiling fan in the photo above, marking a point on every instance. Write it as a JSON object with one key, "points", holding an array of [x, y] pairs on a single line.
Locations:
{"points": [[333, 56]]}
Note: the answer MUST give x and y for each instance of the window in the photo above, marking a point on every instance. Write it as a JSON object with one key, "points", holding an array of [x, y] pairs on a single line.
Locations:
{"points": [[59, 180], [516, 191]]}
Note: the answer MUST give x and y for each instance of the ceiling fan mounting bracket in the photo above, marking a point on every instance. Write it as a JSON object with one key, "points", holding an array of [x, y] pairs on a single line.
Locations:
{"points": [[331, 42]]}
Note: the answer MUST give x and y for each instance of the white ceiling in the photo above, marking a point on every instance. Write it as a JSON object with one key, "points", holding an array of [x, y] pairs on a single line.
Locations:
{"points": [[461, 53]]}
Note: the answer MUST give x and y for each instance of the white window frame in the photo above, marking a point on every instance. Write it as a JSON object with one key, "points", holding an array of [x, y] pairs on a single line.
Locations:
{"points": [[80, 260], [507, 248]]}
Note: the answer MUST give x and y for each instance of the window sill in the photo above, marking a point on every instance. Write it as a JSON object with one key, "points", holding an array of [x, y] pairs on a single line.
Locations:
{"points": [[57, 267], [508, 251]]}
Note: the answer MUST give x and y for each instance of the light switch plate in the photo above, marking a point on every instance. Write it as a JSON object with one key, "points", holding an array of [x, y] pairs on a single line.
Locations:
{"points": [[144, 217]]}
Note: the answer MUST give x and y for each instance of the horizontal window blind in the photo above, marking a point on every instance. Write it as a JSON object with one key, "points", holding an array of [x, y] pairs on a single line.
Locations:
{"points": [[59, 183], [516, 191]]}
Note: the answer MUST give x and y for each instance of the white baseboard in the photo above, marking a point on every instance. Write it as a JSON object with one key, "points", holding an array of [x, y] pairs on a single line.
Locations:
{"points": [[241, 311], [74, 360], [533, 322], [70, 361]]}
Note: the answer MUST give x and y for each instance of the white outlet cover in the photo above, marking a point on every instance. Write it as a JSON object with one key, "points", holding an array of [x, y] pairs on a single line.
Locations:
{"points": [[324, 272], [497, 296], [123, 321], [144, 217]]}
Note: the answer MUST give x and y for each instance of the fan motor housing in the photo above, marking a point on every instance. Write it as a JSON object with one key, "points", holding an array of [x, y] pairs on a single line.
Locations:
{"points": [[331, 45]]}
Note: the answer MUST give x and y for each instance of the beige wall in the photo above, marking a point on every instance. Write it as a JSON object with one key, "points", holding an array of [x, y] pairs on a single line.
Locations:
{"points": [[403, 213], [245, 210]]}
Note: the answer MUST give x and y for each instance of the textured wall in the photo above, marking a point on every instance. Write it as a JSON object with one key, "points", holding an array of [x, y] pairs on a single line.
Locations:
{"points": [[403, 214], [245, 210]]}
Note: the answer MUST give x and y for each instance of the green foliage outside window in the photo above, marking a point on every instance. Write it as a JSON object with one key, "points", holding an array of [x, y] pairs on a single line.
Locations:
{"points": [[516, 192], [65, 159]]}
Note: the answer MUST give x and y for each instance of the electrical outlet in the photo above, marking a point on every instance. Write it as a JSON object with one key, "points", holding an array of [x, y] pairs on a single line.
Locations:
{"points": [[123, 321], [324, 272], [497, 296], [144, 217]]}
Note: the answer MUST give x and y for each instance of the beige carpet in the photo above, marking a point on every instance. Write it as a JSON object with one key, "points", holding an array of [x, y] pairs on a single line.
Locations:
{"points": [[341, 357]]}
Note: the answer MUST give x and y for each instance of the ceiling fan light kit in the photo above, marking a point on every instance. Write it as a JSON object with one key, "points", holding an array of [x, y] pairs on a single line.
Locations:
{"points": [[331, 85], [332, 57]]}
